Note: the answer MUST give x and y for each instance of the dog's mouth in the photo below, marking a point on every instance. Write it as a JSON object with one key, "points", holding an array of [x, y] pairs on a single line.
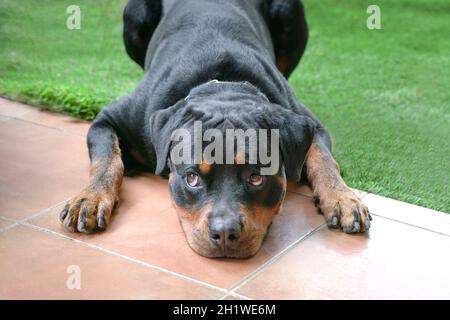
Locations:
{"points": [[205, 245], [211, 250]]}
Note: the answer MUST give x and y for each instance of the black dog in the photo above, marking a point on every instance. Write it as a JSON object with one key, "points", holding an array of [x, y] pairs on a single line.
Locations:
{"points": [[249, 48]]}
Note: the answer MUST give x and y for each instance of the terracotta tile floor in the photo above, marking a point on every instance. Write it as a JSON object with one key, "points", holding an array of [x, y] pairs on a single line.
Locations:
{"points": [[143, 254]]}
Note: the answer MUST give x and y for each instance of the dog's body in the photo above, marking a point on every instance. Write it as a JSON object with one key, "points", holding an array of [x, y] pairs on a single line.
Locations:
{"points": [[250, 48]]}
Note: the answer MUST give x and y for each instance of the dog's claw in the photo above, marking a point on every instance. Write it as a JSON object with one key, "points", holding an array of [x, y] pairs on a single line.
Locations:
{"points": [[356, 226], [101, 224], [357, 221], [81, 226], [316, 201], [345, 211], [367, 224], [63, 213], [89, 211], [68, 224], [348, 229], [333, 223]]}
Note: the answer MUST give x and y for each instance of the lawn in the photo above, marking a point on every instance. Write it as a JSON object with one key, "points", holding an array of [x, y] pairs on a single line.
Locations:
{"points": [[383, 94]]}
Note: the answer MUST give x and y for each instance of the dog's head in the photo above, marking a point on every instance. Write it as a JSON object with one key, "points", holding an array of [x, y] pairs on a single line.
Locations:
{"points": [[228, 169]]}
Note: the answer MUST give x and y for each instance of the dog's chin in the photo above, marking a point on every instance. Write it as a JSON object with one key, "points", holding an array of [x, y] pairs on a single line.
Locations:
{"points": [[209, 250], [199, 242]]}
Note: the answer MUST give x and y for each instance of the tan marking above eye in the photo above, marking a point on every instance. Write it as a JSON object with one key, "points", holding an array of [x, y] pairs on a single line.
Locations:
{"points": [[239, 158], [204, 168]]}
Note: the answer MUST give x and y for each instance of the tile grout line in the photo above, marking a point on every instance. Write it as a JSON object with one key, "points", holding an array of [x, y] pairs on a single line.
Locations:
{"points": [[36, 214], [239, 284], [15, 224], [8, 219], [411, 225], [403, 222], [229, 292], [130, 259], [272, 260], [7, 118], [236, 295], [366, 193], [246, 279], [49, 127]]}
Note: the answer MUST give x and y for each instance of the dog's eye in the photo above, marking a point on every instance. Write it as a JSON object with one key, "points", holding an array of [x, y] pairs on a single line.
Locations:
{"points": [[193, 180], [256, 180]]}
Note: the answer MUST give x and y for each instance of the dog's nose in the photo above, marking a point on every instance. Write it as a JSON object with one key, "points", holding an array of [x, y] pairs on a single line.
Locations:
{"points": [[224, 231]]}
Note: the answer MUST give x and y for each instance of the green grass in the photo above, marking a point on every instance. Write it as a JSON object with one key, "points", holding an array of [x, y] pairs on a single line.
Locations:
{"points": [[384, 94], [75, 71]]}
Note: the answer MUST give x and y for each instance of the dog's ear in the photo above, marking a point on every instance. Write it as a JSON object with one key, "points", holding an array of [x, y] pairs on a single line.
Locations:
{"points": [[161, 126], [296, 136]]}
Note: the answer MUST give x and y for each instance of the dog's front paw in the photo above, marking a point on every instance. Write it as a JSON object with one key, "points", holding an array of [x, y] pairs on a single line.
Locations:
{"points": [[88, 211], [344, 210]]}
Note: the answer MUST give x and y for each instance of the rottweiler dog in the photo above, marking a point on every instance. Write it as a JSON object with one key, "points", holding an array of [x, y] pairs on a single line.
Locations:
{"points": [[224, 63]]}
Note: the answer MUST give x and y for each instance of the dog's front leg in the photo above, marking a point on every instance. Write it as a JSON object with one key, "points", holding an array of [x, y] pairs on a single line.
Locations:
{"points": [[341, 207], [91, 209]]}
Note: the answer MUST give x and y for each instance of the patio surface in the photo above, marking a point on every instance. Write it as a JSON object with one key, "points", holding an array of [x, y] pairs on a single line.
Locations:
{"points": [[143, 254]]}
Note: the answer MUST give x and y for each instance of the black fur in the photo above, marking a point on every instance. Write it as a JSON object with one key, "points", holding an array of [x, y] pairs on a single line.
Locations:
{"points": [[191, 42], [140, 19]]}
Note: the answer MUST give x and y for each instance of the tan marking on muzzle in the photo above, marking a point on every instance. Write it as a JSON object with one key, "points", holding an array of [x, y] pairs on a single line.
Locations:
{"points": [[204, 168], [240, 158]]}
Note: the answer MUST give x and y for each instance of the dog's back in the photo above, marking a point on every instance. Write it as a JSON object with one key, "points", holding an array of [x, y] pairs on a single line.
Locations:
{"points": [[194, 41], [193, 27], [275, 28]]}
